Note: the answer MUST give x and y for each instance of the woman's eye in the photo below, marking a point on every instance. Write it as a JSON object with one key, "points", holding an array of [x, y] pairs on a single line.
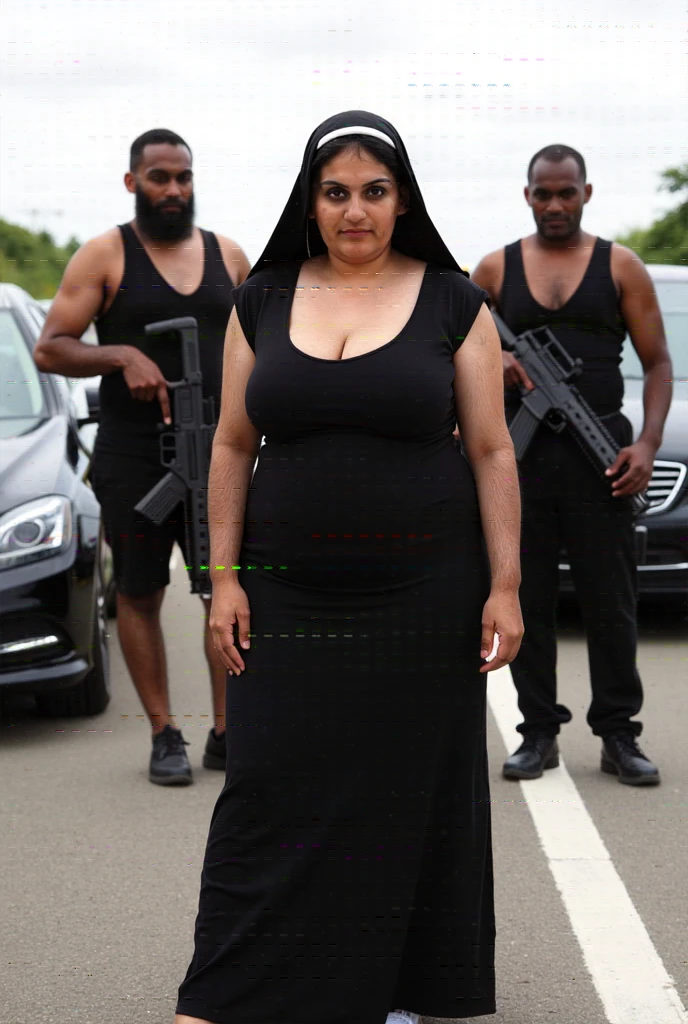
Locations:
{"points": [[376, 191]]}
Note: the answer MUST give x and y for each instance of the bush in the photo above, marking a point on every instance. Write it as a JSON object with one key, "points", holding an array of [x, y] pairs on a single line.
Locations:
{"points": [[665, 241], [32, 260]]}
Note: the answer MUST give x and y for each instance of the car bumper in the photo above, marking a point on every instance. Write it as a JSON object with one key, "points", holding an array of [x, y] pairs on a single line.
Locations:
{"points": [[57, 675], [662, 552], [45, 623], [652, 579]]}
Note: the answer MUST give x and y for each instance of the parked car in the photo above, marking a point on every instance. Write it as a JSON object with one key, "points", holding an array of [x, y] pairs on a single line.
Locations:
{"points": [[662, 531], [85, 396], [53, 634]]}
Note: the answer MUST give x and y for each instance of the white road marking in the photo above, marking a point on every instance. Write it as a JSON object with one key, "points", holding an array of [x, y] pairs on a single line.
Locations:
{"points": [[626, 970], [174, 558]]}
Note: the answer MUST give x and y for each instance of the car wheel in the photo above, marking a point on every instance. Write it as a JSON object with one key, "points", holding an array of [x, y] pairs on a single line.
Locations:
{"points": [[92, 695]]}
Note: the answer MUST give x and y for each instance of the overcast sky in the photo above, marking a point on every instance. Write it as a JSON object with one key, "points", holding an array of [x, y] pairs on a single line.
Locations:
{"points": [[474, 89]]}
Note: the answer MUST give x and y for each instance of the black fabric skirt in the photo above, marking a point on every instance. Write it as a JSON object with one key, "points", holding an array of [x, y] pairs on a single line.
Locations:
{"points": [[348, 869]]}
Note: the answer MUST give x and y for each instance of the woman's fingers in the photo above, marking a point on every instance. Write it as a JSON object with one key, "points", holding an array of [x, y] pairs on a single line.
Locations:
{"points": [[223, 638], [505, 653], [487, 642], [229, 625], [243, 627], [501, 632], [231, 658]]}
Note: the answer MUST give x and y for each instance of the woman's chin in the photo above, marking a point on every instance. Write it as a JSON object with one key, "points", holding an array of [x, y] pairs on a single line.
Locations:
{"points": [[357, 250]]}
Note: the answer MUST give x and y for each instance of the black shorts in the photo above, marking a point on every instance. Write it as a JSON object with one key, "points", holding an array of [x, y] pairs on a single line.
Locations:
{"points": [[140, 551]]}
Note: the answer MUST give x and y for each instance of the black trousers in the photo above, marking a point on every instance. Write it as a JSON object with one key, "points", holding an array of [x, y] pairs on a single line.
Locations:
{"points": [[567, 504]]}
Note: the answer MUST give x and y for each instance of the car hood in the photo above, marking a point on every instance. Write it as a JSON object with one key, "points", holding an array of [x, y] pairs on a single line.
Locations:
{"points": [[35, 464], [675, 443]]}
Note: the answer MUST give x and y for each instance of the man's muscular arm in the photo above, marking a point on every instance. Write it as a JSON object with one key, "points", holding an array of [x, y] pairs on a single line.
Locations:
{"points": [[80, 297], [643, 318], [489, 274]]}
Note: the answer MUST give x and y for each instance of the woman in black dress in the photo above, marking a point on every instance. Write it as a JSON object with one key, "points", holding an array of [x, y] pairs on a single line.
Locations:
{"points": [[360, 578]]}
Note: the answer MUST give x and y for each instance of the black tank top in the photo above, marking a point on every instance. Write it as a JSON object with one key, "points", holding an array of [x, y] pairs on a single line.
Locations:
{"points": [[589, 325], [128, 424]]}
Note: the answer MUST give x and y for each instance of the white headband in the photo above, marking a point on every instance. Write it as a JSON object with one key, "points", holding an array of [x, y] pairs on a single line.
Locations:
{"points": [[355, 130]]}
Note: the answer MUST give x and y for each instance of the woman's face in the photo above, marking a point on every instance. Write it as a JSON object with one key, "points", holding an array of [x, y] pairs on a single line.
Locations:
{"points": [[356, 204]]}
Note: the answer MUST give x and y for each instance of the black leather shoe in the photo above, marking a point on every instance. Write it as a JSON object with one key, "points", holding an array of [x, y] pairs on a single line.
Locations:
{"points": [[215, 755], [622, 756], [169, 765], [538, 751]]}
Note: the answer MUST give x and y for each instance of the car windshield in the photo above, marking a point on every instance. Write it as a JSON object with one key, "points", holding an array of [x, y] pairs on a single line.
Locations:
{"points": [[21, 396], [673, 302]]}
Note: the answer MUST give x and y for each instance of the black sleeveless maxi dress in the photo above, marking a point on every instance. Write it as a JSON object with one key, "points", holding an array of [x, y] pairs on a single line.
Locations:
{"points": [[348, 869]]}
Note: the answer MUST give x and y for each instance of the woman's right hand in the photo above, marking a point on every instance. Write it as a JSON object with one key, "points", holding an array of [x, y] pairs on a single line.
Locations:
{"points": [[229, 624]]}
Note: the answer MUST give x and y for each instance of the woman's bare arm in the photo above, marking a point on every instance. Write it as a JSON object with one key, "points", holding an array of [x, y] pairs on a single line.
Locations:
{"points": [[479, 392], [235, 448]]}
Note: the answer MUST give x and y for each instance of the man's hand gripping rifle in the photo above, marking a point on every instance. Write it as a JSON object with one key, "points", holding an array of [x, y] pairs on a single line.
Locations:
{"points": [[556, 402], [185, 452]]}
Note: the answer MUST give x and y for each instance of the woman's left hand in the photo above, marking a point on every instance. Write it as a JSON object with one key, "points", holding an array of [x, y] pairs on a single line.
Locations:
{"points": [[501, 618]]}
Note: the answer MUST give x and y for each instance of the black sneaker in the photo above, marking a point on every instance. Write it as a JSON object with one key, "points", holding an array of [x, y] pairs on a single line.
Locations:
{"points": [[622, 756], [215, 755], [169, 765], [538, 751]]}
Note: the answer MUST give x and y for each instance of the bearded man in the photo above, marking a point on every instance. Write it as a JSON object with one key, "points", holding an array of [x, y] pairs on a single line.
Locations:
{"points": [[156, 267]]}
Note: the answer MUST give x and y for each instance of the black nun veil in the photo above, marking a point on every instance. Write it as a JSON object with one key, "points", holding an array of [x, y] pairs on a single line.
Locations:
{"points": [[414, 234]]}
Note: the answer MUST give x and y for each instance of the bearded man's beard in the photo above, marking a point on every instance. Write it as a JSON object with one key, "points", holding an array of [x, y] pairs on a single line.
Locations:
{"points": [[168, 225]]}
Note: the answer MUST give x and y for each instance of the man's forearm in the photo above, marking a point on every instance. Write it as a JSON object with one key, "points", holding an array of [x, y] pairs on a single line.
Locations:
{"points": [[657, 393], [230, 475], [496, 479], [74, 358]]}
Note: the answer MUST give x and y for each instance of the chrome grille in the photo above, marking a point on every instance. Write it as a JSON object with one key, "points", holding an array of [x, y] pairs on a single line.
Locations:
{"points": [[667, 480]]}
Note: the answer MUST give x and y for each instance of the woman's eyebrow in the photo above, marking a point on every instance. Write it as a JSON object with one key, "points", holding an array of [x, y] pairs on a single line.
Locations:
{"points": [[375, 181]]}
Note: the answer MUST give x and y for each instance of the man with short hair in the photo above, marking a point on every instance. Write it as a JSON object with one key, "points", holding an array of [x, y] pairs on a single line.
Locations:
{"points": [[591, 293], [156, 267]]}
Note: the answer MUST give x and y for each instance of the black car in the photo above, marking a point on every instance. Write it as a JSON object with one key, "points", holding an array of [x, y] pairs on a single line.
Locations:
{"points": [[53, 635], [662, 531]]}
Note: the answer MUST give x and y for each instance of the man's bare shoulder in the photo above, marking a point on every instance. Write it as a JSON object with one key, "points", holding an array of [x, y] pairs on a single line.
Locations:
{"points": [[489, 272], [626, 265], [234, 258], [625, 256], [493, 260], [104, 247]]}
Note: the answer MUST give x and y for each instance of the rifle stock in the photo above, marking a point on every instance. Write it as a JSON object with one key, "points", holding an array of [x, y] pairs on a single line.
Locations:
{"points": [[162, 499]]}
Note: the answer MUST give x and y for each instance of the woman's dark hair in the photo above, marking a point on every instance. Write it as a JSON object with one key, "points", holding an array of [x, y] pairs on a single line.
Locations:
{"points": [[368, 144]]}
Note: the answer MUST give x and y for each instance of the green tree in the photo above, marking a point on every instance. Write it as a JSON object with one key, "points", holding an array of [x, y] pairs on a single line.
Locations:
{"points": [[665, 241], [32, 259]]}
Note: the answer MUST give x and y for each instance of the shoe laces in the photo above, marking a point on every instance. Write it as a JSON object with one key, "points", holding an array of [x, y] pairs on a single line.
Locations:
{"points": [[629, 740], [173, 740]]}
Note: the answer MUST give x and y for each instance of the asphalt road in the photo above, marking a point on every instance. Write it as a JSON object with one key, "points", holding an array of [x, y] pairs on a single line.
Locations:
{"points": [[99, 869]]}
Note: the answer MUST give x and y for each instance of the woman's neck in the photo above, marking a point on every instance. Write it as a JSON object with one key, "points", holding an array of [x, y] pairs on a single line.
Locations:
{"points": [[336, 271]]}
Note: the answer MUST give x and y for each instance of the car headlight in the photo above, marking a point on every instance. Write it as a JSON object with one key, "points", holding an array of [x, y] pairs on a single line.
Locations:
{"points": [[35, 530]]}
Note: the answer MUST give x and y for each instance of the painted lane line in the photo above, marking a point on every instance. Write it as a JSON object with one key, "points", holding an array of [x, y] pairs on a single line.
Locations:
{"points": [[626, 969], [174, 558]]}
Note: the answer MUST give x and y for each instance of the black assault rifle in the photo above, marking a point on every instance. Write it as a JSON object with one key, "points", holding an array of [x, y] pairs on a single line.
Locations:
{"points": [[556, 402], [185, 452]]}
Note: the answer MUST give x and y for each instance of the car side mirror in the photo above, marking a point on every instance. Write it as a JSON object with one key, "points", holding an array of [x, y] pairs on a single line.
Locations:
{"points": [[93, 401]]}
